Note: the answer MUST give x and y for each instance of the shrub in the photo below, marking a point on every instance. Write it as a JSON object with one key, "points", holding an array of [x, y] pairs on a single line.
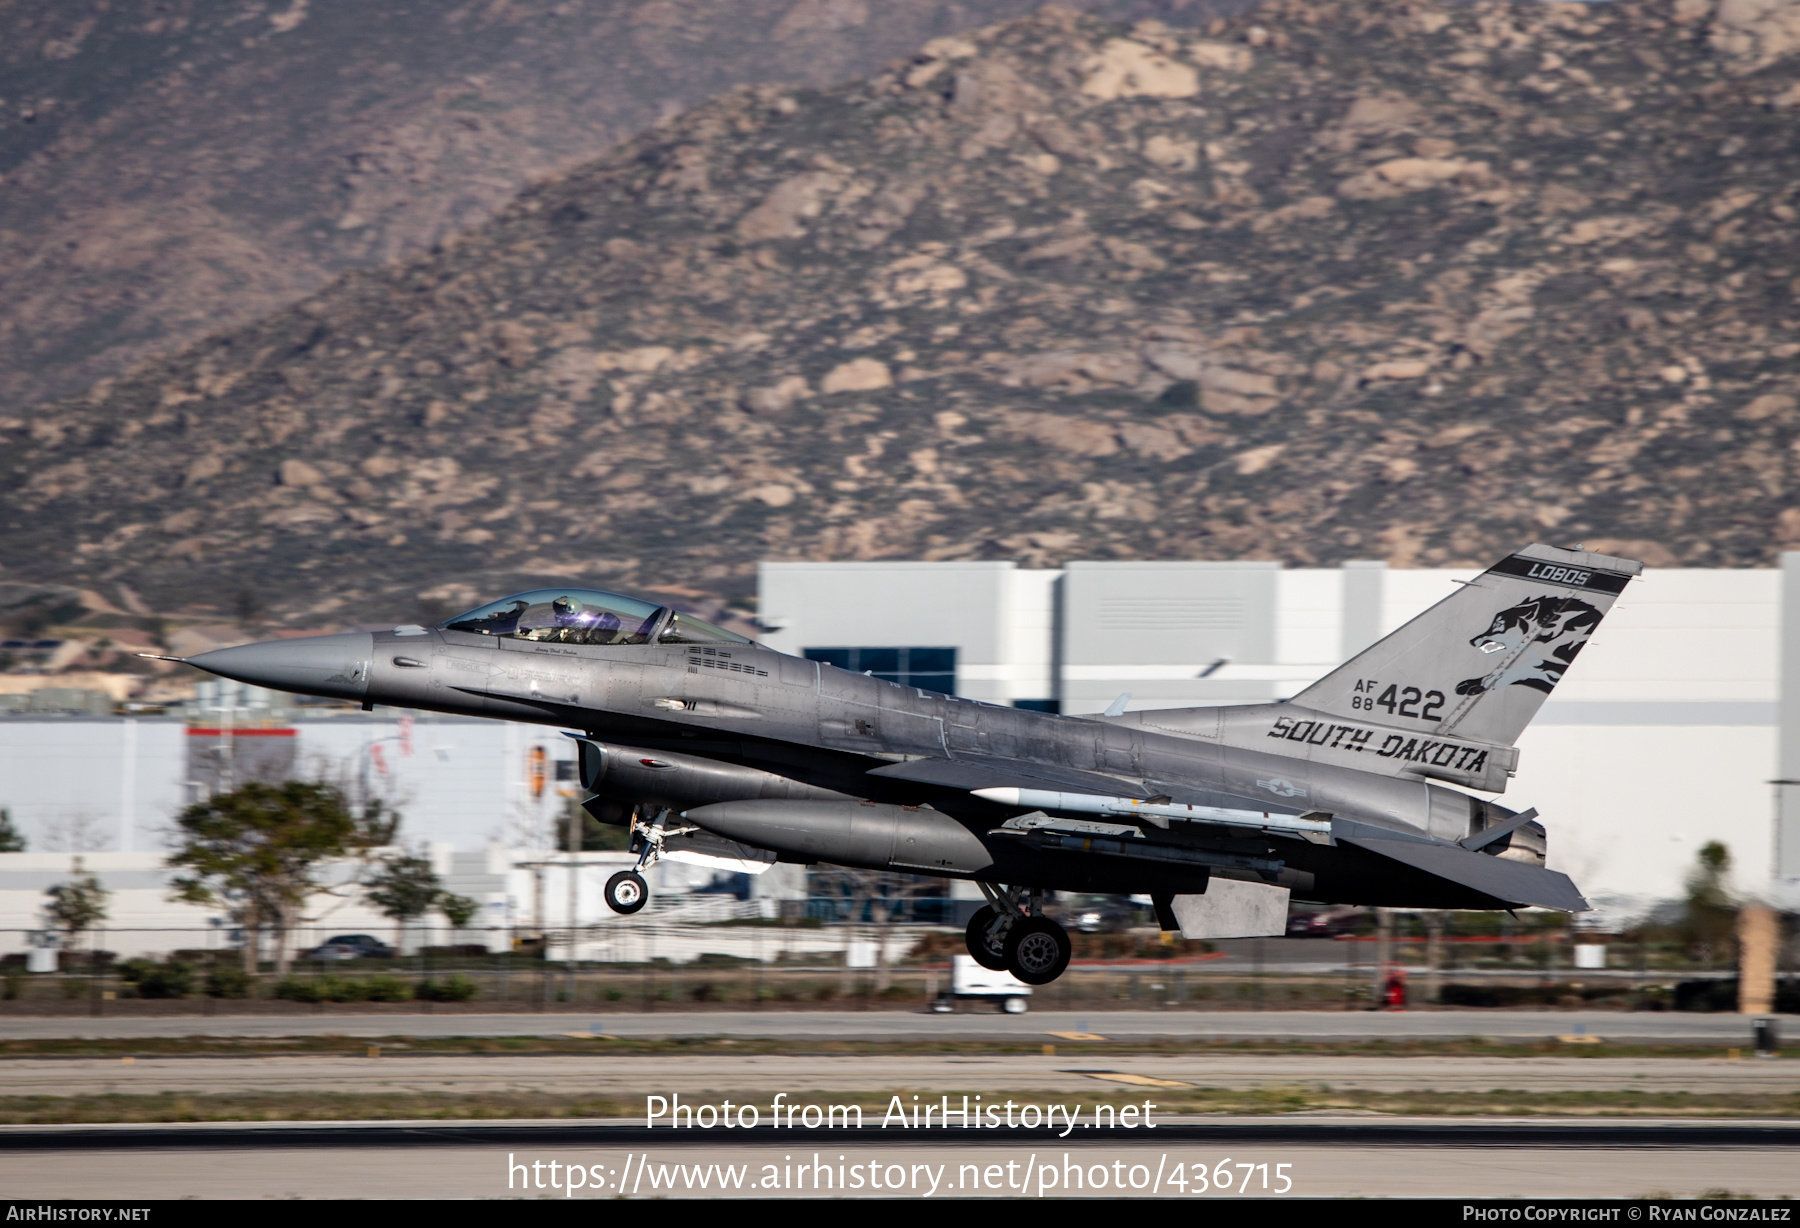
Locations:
{"points": [[1707, 995], [326, 988], [714, 959], [173, 979], [1468, 995], [456, 988], [385, 989], [1722, 995], [1559, 994], [298, 989], [331, 988], [227, 981]]}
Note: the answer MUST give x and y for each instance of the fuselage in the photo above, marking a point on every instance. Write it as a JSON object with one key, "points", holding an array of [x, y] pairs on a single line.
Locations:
{"points": [[689, 726]]}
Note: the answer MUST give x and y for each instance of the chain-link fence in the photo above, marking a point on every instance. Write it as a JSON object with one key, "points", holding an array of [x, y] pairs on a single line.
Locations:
{"points": [[720, 953]]}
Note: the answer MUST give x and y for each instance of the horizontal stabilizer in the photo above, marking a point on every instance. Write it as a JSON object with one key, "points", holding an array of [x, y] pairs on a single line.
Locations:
{"points": [[1508, 881]]}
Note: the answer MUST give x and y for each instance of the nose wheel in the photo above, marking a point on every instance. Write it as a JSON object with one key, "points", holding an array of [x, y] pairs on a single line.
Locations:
{"points": [[626, 892]]}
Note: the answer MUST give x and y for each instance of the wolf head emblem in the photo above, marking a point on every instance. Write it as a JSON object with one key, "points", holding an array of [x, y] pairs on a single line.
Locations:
{"points": [[1538, 640]]}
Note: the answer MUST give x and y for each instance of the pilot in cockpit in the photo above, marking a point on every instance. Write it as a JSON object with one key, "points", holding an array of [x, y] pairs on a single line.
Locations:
{"points": [[576, 624]]}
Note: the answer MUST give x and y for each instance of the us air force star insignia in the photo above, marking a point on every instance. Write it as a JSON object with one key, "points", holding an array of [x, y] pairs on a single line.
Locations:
{"points": [[1281, 788]]}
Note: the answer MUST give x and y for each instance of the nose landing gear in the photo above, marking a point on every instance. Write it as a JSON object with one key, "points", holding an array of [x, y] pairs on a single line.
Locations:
{"points": [[1011, 933], [626, 891]]}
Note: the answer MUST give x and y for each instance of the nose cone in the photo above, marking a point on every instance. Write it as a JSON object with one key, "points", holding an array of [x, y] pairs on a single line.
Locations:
{"points": [[335, 666]]}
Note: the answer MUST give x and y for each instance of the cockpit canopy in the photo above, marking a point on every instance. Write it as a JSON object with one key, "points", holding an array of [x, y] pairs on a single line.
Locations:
{"points": [[587, 616]]}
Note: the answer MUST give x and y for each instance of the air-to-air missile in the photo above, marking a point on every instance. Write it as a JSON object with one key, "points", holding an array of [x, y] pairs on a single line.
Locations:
{"points": [[1361, 789]]}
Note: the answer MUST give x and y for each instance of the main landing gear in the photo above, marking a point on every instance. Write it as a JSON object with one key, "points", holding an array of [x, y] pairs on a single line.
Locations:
{"points": [[1010, 933], [626, 891]]}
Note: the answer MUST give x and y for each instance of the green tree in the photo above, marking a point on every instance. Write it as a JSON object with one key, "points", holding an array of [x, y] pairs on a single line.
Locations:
{"points": [[76, 906], [459, 910], [256, 853], [12, 840], [406, 888], [1709, 923]]}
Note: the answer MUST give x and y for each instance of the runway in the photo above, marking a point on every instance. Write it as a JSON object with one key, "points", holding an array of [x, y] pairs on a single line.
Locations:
{"points": [[1084, 1071], [1643, 1027], [1316, 1156]]}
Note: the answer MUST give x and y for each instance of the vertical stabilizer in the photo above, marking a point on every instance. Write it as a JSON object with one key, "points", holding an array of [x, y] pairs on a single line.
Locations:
{"points": [[1479, 664]]}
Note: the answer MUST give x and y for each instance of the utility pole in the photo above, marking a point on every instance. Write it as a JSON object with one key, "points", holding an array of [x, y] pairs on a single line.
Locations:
{"points": [[227, 778], [574, 891], [1384, 936], [1434, 936], [537, 906]]}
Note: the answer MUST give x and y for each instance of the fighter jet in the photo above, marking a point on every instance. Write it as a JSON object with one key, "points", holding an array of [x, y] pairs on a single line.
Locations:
{"points": [[1364, 788]]}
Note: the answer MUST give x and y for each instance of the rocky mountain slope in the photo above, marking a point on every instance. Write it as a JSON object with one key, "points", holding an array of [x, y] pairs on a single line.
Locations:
{"points": [[172, 167], [1344, 279]]}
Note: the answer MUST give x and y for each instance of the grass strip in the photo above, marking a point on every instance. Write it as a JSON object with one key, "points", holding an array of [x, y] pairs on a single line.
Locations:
{"points": [[395, 1106], [438, 1046]]}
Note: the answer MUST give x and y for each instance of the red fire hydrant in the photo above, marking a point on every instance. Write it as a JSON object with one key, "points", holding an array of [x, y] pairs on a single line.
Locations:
{"points": [[1393, 990]]}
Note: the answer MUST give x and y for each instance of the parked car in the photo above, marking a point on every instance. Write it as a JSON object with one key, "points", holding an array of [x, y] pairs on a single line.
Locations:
{"points": [[1098, 914], [1324, 922], [351, 946]]}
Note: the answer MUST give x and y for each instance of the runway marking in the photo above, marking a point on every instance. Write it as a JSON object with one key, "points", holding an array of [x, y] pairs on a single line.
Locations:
{"points": [[1136, 1080], [1078, 1035]]}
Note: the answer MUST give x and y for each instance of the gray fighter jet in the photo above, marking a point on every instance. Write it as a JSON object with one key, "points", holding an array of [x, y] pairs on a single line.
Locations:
{"points": [[708, 744]]}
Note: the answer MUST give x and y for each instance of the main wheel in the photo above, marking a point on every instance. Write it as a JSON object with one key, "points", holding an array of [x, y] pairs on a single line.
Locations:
{"points": [[989, 956], [626, 892], [1037, 950]]}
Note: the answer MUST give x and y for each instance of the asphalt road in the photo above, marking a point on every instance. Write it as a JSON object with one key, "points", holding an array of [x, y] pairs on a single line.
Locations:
{"points": [[1319, 1156], [1082, 1072], [985, 1024]]}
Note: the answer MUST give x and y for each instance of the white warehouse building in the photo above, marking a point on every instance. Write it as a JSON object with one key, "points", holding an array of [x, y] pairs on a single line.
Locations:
{"points": [[1673, 728]]}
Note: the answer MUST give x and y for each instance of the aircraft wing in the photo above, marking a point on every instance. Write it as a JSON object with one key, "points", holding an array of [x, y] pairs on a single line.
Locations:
{"points": [[1513, 882], [975, 772]]}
